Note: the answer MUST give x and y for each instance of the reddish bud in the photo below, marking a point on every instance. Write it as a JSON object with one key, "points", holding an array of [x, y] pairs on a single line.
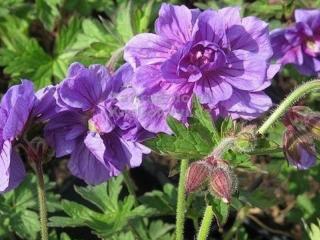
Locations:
{"points": [[197, 175], [222, 182]]}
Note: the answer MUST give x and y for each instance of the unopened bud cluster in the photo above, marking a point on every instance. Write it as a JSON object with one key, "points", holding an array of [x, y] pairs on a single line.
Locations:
{"points": [[302, 128], [213, 174]]}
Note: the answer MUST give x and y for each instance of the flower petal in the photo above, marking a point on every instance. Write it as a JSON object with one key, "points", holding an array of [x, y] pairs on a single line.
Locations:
{"points": [[83, 164], [12, 170], [212, 89], [63, 130], [146, 79], [252, 35], [17, 104], [246, 70], [247, 105], [284, 51], [85, 87], [210, 27], [148, 48], [152, 117], [311, 17], [174, 22]]}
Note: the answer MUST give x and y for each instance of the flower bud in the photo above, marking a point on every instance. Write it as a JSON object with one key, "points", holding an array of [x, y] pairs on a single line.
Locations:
{"points": [[222, 182], [245, 142], [299, 148], [197, 175]]}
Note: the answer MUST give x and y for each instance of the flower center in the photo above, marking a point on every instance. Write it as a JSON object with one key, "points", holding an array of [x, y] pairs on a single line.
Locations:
{"points": [[92, 126], [202, 56], [199, 59], [313, 47]]}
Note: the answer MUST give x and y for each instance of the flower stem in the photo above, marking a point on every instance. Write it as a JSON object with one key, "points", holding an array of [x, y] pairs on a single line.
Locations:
{"points": [[206, 223], [288, 102], [42, 201], [181, 203], [130, 184]]}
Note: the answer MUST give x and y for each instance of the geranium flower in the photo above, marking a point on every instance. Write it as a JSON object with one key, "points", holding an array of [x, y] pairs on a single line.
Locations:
{"points": [[217, 56], [19, 106], [101, 138], [299, 44]]}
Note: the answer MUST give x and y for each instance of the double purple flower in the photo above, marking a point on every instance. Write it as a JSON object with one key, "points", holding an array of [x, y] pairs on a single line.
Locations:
{"points": [[221, 58], [299, 44], [101, 138]]}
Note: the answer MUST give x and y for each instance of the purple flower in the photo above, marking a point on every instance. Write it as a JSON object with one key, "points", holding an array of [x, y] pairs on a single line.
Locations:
{"points": [[221, 58], [101, 138], [15, 108], [299, 44]]}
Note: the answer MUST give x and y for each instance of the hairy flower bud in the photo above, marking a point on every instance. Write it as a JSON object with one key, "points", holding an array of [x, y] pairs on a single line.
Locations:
{"points": [[197, 175], [222, 182], [299, 148], [245, 141]]}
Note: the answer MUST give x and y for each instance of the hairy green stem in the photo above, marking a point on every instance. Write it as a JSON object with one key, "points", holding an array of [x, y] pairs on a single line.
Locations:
{"points": [[206, 223], [130, 184], [223, 146], [288, 102], [42, 201], [181, 203]]}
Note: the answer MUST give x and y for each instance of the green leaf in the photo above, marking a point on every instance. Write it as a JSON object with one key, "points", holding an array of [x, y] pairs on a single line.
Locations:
{"points": [[193, 142], [48, 12], [96, 43], [162, 202], [113, 216], [205, 119], [19, 208], [67, 37], [259, 198], [26, 224], [23, 57], [123, 22], [220, 211], [240, 161], [313, 230], [306, 205]]}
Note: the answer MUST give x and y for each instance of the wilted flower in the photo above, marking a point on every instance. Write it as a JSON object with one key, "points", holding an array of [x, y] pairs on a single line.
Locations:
{"points": [[299, 149], [299, 44], [197, 175], [222, 182], [218, 56], [298, 139], [19, 105], [101, 138]]}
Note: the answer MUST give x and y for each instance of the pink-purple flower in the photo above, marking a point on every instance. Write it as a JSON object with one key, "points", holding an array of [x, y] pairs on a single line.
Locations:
{"points": [[299, 44], [221, 58], [102, 139]]}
